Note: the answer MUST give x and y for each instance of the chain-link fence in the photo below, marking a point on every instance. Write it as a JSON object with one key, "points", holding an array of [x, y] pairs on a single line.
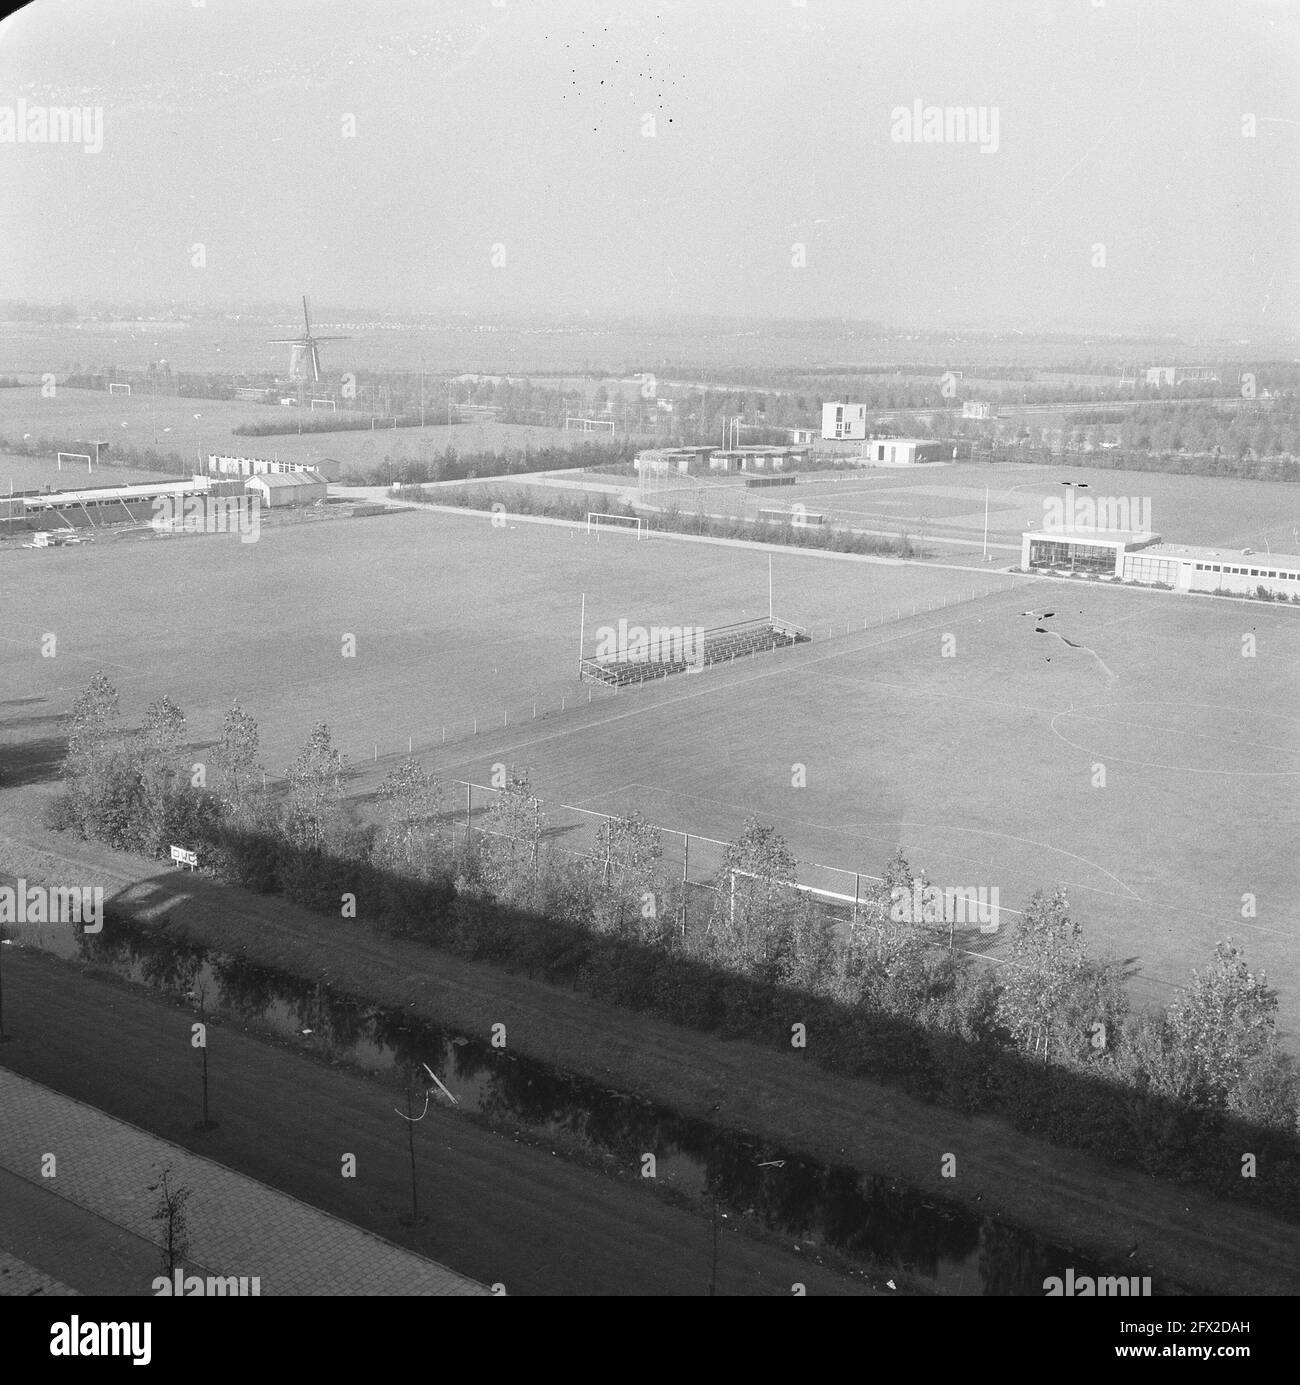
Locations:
{"points": [[558, 698], [844, 898]]}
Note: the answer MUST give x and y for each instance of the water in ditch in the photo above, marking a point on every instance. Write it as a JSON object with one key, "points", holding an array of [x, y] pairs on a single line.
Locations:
{"points": [[875, 1222]]}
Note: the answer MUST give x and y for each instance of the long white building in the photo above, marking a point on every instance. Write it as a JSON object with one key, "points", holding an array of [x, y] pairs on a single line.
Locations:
{"points": [[1134, 557]]}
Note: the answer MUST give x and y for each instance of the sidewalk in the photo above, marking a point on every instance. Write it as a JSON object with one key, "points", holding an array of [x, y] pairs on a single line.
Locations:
{"points": [[237, 1226]]}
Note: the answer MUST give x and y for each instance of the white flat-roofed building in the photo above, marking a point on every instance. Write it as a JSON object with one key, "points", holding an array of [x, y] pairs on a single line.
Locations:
{"points": [[1221, 569], [1102, 551], [844, 420], [1146, 558], [906, 451], [1178, 374], [225, 464]]}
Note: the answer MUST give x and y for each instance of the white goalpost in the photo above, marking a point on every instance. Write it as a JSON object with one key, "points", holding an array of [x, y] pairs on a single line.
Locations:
{"points": [[574, 424], [71, 457], [330, 404], [116, 388], [597, 521]]}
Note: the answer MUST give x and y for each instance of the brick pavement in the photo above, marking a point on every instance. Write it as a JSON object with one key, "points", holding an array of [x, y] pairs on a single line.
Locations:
{"points": [[20, 1280], [237, 1226]]}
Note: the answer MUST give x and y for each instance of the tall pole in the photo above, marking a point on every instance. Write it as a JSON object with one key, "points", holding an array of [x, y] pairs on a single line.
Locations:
{"points": [[686, 872], [986, 521], [769, 586], [582, 630], [410, 1140]]}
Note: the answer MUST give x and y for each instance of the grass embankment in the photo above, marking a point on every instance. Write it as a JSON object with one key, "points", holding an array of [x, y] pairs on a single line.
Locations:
{"points": [[1060, 1194]]}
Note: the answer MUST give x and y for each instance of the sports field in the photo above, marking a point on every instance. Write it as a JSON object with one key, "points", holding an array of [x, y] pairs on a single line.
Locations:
{"points": [[979, 755], [32, 473], [195, 427], [947, 502]]}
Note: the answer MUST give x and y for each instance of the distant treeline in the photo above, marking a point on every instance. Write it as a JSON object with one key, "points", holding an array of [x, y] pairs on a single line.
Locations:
{"points": [[141, 458], [291, 421], [1047, 1043], [454, 465], [1166, 463]]}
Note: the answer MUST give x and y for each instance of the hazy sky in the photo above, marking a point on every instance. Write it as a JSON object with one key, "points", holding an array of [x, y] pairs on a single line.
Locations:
{"points": [[523, 126]]}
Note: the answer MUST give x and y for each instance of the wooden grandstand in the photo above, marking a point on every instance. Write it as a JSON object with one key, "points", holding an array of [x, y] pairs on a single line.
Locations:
{"points": [[722, 645]]}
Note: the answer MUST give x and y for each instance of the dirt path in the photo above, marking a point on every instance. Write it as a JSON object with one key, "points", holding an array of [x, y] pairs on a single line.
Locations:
{"points": [[1064, 1196]]}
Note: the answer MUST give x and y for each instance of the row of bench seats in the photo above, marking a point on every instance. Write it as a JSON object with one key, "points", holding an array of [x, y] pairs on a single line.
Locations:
{"points": [[720, 647]]}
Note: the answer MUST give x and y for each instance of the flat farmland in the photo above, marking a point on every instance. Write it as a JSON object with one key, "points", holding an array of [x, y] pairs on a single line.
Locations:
{"points": [[195, 427], [978, 754]]}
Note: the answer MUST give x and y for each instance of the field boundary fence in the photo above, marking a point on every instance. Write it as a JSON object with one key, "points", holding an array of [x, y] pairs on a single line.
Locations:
{"points": [[567, 696], [698, 865]]}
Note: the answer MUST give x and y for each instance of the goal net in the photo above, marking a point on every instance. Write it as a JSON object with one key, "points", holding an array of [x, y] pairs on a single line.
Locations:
{"points": [[330, 404], [597, 521], [71, 457], [573, 424], [115, 388]]}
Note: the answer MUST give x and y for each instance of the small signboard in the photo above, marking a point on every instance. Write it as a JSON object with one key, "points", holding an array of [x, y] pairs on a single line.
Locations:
{"points": [[184, 858]]}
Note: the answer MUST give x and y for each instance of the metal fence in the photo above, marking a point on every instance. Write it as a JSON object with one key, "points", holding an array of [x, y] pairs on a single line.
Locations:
{"points": [[842, 897], [559, 698]]}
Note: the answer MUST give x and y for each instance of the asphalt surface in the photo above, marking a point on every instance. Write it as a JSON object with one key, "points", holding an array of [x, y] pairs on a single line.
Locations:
{"points": [[496, 1210]]}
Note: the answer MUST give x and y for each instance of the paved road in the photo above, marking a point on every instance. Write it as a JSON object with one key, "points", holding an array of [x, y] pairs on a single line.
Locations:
{"points": [[235, 1226], [51, 1245], [497, 1211]]}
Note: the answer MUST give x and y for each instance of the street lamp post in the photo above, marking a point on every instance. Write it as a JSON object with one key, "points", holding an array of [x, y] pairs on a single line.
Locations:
{"points": [[201, 993], [4, 1038], [411, 1120], [713, 1218]]}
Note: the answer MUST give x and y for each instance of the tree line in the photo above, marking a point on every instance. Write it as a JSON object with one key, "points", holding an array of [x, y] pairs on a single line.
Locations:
{"points": [[554, 504], [1198, 1090]]}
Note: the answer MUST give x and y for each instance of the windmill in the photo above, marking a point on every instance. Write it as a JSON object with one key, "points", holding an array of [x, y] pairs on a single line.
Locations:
{"points": [[304, 359]]}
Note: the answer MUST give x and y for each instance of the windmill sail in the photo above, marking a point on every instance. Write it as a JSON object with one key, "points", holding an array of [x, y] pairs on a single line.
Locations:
{"points": [[304, 356]]}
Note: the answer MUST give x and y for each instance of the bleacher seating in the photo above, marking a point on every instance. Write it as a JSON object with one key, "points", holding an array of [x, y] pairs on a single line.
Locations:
{"points": [[723, 645]]}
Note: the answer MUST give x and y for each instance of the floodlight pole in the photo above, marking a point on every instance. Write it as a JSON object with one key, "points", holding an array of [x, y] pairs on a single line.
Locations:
{"points": [[582, 630], [986, 521]]}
